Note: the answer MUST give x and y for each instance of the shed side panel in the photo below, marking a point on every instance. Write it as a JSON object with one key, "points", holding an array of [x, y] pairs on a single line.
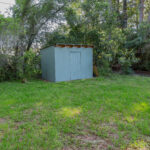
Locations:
{"points": [[48, 64], [51, 64], [62, 64]]}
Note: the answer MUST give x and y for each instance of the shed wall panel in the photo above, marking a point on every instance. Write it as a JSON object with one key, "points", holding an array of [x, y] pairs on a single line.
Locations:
{"points": [[62, 64], [75, 65]]}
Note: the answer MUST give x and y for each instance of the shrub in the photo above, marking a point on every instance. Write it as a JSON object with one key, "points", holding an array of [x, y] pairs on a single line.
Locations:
{"points": [[6, 68], [140, 41], [104, 64], [14, 68], [31, 64], [114, 53]]}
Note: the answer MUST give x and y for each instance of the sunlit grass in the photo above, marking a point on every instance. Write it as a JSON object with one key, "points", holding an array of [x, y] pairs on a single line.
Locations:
{"points": [[131, 119], [141, 107], [139, 145], [70, 112]]}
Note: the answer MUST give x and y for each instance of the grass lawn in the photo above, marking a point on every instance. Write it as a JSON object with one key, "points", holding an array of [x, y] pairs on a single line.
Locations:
{"points": [[101, 113]]}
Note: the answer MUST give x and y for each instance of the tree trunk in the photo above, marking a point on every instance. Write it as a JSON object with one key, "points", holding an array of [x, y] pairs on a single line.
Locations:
{"points": [[110, 13], [125, 17], [141, 11], [137, 21], [30, 42], [148, 19], [118, 6], [110, 6], [118, 13]]}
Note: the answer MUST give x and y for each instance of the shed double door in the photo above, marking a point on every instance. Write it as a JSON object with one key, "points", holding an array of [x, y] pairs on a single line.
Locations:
{"points": [[75, 65]]}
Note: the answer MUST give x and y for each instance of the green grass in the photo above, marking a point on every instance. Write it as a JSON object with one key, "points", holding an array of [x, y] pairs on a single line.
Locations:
{"points": [[101, 113]]}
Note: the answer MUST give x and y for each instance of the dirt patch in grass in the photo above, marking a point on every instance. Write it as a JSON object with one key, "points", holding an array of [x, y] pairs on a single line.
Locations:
{"points": [[1, 135], [90, 142], [2, 120], [31, 114], [18, 124], [28, 111], [111, 129], [147, 138], [69, 148], [109, 126], [94, 141], [113, 135]]}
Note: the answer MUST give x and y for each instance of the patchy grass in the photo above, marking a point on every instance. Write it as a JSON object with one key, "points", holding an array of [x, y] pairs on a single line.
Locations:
{"points": [[102, 113]]}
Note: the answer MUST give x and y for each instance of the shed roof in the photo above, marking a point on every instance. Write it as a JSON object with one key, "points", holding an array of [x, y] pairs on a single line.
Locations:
{"points": [[73, 45], [70, 46]]}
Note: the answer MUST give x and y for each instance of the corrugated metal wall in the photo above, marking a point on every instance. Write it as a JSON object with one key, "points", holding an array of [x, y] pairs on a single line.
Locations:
{"points": [[64, 64]]}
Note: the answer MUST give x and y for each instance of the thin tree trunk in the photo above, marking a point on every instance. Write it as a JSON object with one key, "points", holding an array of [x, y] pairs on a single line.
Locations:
{"points": [[118, 6], [141, 11], [30, 42], [125, 17], [137, 21], [110, 12], [148, 19], [118, 12], [110, 6]]}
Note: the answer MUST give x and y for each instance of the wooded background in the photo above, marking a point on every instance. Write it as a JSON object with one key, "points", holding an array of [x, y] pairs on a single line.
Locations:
{"points": [[119, 30]]}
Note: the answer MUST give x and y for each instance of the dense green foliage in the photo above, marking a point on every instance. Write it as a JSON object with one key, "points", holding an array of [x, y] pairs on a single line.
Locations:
{"points": [[118, 30], [11, 66], [101, 113]]}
